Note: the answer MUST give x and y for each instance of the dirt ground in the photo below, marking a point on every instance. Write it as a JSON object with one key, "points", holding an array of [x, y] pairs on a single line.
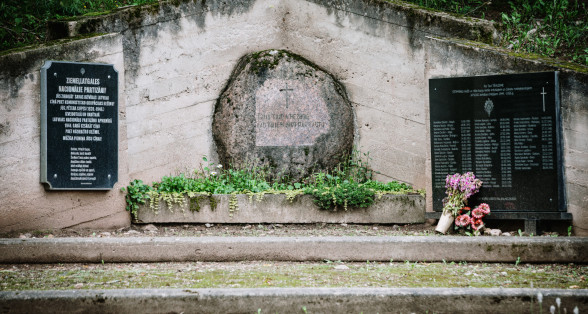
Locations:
{"points": [[257, 230]]}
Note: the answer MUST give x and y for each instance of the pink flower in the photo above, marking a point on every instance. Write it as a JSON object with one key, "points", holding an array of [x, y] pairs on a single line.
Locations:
{"points": [[462, 220], [477, 224], [485, 208], [459, 188], [478, 213]]}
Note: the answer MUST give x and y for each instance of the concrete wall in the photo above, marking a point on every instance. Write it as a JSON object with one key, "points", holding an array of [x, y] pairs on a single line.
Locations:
{"points": [[178, 57], [25, 205]]}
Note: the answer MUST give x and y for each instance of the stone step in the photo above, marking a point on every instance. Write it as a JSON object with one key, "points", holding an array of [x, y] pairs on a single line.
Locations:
{"points": [[294, 300], [347, 248]]}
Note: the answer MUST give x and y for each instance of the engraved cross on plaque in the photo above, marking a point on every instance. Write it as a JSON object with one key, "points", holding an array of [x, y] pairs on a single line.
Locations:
{"points": [[286, 90], [543, 93]]}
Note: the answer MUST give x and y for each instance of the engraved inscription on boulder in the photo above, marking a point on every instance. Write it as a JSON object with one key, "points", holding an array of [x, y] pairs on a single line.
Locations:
{"points": [[289, 113], [279, 109]]}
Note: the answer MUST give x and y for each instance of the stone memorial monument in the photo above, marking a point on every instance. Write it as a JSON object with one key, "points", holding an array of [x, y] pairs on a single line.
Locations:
{"points": [[284, 112], [79, 126], [507, 130]]}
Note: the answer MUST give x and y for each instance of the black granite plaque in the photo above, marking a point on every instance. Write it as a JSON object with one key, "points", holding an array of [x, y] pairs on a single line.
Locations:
{"points": [[507, 130], [79, 126]]}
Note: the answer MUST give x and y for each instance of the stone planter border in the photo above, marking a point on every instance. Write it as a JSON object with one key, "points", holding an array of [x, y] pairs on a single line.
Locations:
{"points": [[277, 209]]}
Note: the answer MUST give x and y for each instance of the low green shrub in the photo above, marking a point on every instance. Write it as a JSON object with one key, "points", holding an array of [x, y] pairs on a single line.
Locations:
{"points": [[345, 195], [349, 185], [137, 194]]}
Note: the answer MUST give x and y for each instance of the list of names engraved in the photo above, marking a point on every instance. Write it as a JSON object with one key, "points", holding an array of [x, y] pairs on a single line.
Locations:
{"points": [[506, 131], [445, 149]]}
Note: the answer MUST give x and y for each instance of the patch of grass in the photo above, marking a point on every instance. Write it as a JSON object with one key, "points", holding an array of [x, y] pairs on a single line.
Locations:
{"points": [[550, 28], [24, 22], [463, 7], [555, 29], [281, 274]]}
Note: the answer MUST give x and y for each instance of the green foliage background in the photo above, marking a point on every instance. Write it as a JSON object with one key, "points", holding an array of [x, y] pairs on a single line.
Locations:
{"points": [[24, 22], [553, 28]]}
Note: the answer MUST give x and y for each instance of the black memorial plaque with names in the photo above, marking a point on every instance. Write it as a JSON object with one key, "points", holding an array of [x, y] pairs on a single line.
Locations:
{"points": [[79, 126], [506, 129]]}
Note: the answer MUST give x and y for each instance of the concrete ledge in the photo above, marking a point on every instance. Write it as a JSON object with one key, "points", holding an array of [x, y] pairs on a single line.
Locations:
{"points": [[292, 300], [224, 249], [277, 209]]}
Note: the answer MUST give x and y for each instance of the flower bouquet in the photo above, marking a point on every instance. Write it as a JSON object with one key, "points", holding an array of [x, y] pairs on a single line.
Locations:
{"points": [[472, 219], [459, 188]]}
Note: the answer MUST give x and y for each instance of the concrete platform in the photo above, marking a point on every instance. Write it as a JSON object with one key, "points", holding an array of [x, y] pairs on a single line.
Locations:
{"points": [[388, 209], [221, 249], [293, 300]]}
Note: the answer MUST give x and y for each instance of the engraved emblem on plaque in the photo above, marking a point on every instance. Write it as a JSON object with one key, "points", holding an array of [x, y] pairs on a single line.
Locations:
{"points": [[488, 106]]}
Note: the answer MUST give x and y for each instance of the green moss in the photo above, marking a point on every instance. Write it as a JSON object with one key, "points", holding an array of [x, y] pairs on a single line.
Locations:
{"points": [[98, 13], [276, 274], [522, 55], [50, 43], [549, 61], [213, 202], [265, 60], [152, 8], [195, 203]]}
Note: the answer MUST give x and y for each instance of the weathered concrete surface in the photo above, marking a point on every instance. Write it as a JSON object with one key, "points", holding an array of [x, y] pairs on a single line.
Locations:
{"points": [[225, 249], [277, 209], [25, 204], [285, 113], [293, 300], [177, 57]]}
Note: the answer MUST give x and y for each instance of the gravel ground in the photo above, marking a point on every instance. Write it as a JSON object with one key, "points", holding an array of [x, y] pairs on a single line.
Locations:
{"points": [[236, 230], [244, 230]]}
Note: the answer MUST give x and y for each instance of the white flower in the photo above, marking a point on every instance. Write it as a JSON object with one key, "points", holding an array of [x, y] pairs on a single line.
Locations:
{"points": [[558, 302], [552, 309], [219, 166], [576, 310], [540, 297], [213, 173]]}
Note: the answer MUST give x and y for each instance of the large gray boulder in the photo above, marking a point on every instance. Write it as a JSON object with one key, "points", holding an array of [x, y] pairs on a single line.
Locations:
{"points": [[280, 110]]}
